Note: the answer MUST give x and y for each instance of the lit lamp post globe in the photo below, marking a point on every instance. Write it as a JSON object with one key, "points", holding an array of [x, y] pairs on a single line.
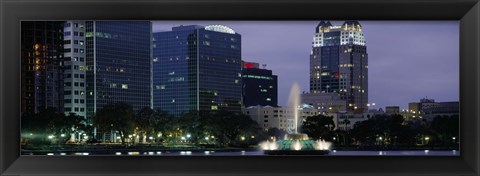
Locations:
{"points": [[295, 143]]}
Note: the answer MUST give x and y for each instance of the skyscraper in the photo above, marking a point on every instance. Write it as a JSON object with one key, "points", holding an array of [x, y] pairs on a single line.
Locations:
{"points": [[75, 68], [259, 86], [42, 66], [339, 63], [197, 68], [118, 61]]}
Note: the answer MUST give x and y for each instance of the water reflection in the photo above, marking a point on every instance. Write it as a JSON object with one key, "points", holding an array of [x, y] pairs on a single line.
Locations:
{"points": [[259, 152]]}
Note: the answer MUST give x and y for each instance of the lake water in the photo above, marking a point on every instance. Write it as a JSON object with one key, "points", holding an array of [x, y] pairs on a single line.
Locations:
{"points": [[260, 153]]}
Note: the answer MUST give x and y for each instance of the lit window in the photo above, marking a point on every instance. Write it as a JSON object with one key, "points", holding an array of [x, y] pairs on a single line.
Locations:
{"points": [[124, 86], [214, 107]]}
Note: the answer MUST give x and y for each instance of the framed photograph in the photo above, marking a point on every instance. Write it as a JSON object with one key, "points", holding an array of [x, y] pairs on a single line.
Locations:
{"points": [[239, 87]]}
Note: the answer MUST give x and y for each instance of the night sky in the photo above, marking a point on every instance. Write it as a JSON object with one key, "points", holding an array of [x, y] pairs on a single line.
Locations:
{"points": [[408, 60]]}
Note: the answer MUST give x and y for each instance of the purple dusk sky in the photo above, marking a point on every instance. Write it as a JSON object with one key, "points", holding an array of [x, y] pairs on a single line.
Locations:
{"points": [[408, 60]]}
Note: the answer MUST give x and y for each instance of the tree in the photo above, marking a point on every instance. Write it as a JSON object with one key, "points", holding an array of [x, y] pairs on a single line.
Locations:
{"points": [[115, 117], [444, 128], [161, 123], [318, 126], [142, 122], [50, 126], [389, 129]]}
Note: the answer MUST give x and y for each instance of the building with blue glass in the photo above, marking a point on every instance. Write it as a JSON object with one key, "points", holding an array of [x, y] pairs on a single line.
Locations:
{"points": [[339, 63], [197, 68], [259, 86], [118, 64]]}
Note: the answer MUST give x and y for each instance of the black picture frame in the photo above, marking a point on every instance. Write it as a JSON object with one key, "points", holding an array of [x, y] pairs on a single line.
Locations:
{"points": [[14, 11]]}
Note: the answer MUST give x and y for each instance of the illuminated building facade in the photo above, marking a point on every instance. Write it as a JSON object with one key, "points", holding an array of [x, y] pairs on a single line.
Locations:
{"points": [[281, 118], [259, 86], [41, 66], [339, 63], [428, 109], [197, 68], [75, 70], [118, 63]]}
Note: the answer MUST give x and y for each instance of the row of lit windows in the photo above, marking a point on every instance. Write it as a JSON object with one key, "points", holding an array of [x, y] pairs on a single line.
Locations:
{"points": [[76, 42], [123, 86], [258, 77], [76, 25], [75, 50], [77, 59]]}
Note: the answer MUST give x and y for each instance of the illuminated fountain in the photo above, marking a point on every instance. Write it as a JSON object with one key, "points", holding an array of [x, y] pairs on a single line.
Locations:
{"points": [[295, 143]]}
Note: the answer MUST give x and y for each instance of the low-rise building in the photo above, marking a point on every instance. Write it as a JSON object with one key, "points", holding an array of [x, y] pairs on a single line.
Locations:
{"points": [[325, 102], [429, 109], [391, 110], [279, 117]]}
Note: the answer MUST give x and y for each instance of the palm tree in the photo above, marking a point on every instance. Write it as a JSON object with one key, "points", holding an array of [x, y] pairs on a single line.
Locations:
{"points": [[345, 122]]}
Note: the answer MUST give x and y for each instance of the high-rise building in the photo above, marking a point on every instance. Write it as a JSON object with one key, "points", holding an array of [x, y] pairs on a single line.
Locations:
{"points": [[259, 86], [42, 66], [75, 68], [118, 63], [339, 63], [197, 68]]}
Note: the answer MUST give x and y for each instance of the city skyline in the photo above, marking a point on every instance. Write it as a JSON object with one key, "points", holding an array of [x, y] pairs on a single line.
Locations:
{"points": [[429, 49]]}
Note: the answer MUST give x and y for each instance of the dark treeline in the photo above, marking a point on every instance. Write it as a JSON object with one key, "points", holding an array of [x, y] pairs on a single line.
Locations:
{"points": [[216, 128], [224, 129], [387, 131]]}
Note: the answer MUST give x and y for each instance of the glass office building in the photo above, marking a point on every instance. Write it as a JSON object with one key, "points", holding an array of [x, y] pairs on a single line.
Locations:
{"points": [[197, 68], [259, 86], [118, 64], [42, 66], [339, 63]]}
